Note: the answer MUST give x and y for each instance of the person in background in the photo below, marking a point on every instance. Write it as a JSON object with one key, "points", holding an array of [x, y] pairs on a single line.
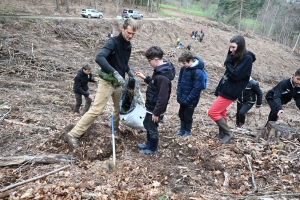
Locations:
{"points": [[201, 35], [180, 45], [113, 59], [157, 96], [188, 90], [81, 87], [251, 94], [282, 93], [189, 47], [238, 68], [178, 41]]}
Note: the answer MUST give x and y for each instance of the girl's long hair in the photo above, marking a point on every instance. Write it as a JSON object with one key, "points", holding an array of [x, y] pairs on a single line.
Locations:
{"points": [[241, 48]]}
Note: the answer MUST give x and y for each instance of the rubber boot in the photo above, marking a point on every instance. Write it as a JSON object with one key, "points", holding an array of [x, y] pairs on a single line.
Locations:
{"points": [[182, 128], [188, 128], [87, 105], [226, 131], [221, 134], [152, 145], [147, 144], [76, 109]]}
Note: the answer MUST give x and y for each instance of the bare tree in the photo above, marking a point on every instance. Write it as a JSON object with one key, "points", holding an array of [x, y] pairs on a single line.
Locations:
{"points": [[67, 6], [57, 4], [241, 11]]}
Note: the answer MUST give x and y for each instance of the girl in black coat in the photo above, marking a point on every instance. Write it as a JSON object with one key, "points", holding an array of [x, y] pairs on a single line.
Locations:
{"points": [[238, 66]]}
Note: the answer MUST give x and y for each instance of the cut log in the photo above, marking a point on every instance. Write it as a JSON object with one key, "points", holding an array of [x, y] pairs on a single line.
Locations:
{"points": [[274, 130], [43, 159]]}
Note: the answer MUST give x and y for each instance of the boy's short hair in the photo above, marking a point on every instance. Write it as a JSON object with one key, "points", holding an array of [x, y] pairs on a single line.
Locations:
{"points": [[131, 22], [86, 66], [297, 73], [154, 52], [186, 56]]}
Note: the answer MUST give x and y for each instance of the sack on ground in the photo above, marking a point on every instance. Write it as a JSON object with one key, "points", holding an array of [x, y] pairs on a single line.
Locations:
{"points": [[131, 104]]}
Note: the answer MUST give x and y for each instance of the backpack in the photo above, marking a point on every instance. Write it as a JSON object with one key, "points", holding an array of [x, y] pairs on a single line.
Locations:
{"points": [[204, 78]]}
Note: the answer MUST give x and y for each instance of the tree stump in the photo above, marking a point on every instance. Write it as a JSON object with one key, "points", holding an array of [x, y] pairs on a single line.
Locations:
{"points": [[274, 130]]}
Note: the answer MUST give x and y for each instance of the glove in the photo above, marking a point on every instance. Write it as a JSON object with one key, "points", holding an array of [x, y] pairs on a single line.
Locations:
{"points": [[120, 79], [130, 73]]}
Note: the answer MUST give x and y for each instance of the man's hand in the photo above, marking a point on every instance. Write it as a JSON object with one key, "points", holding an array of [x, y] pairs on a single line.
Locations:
{"points": [[120, 79], [131, 73], [154, 118], [90, 96], [279, 113]]}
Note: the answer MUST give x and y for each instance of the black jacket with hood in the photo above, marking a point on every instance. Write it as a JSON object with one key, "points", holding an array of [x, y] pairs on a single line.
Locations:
{"points": [[283, 93], [252, 93], [236, 77], [159, 88], [81, 83]]}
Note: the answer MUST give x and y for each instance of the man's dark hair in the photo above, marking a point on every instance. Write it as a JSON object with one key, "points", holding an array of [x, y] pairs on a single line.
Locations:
{"points": [[186, 56], [130, 22], [241, 48], [154, 52], [297, 73], [86, 66]]}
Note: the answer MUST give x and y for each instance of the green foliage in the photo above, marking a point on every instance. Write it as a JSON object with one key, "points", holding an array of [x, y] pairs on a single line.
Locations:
{"points": [[165, 14], [29, 19]]}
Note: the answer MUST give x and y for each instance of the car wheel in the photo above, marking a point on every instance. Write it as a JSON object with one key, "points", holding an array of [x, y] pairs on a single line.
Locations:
{"points": [[89, 16], [100, 16], [131, 16]]}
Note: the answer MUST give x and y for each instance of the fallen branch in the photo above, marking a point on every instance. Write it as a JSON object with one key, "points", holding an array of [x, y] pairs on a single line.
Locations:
{"points": [[43, 158], [24, 124], [33, 179], [5, 113], [250, 167]]}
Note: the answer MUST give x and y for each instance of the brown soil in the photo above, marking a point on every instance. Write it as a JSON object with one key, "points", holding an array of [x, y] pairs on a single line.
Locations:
{"points": [[40, 57]]}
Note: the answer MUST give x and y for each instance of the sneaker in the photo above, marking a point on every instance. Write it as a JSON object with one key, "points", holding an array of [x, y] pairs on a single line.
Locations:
{"points": [[143, 146], [72, 140], [186, 134], [147, 151], [179, 133], [241, 127]]}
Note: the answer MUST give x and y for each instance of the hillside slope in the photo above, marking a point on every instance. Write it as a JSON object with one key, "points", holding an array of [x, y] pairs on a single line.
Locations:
{"points": [[40, 57]]}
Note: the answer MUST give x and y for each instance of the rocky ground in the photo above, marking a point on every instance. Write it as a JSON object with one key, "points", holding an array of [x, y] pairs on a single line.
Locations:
{"points": [[40, 57]]}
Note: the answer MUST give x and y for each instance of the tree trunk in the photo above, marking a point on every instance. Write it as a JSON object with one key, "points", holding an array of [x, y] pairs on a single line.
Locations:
{"points": [[40, 159], [273, 22], [241, 11], [273, 131], [57, 5], [67, 6], [296, 42]]}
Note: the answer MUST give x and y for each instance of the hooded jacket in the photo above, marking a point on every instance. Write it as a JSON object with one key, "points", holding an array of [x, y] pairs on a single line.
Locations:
{"points": [[188, 87], [283, 92], [114, 56], [236, 77], [159, 88], [250, 93], [81, 83]]}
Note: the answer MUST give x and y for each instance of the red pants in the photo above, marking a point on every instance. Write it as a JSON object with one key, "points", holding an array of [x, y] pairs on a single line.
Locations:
{"points": [[219, 108]]}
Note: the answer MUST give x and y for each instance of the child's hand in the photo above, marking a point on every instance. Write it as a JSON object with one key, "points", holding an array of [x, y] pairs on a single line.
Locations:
{"points": [[140, 74], [280, 112]]}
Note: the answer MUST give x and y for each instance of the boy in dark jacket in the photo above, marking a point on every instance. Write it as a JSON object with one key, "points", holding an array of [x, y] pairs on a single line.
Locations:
{"points": [[188, 90], [157, 96], [283, 93], [251, 94], [81, 87]]}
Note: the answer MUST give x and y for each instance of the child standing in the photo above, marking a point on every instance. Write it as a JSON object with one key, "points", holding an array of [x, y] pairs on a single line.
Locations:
{"points": [[283, 93], [251, 94], [157, 96], [81, 87], [188, 90]]}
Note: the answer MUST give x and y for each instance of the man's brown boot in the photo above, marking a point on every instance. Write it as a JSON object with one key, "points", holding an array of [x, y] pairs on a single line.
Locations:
{"points": [[72, 140]]}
